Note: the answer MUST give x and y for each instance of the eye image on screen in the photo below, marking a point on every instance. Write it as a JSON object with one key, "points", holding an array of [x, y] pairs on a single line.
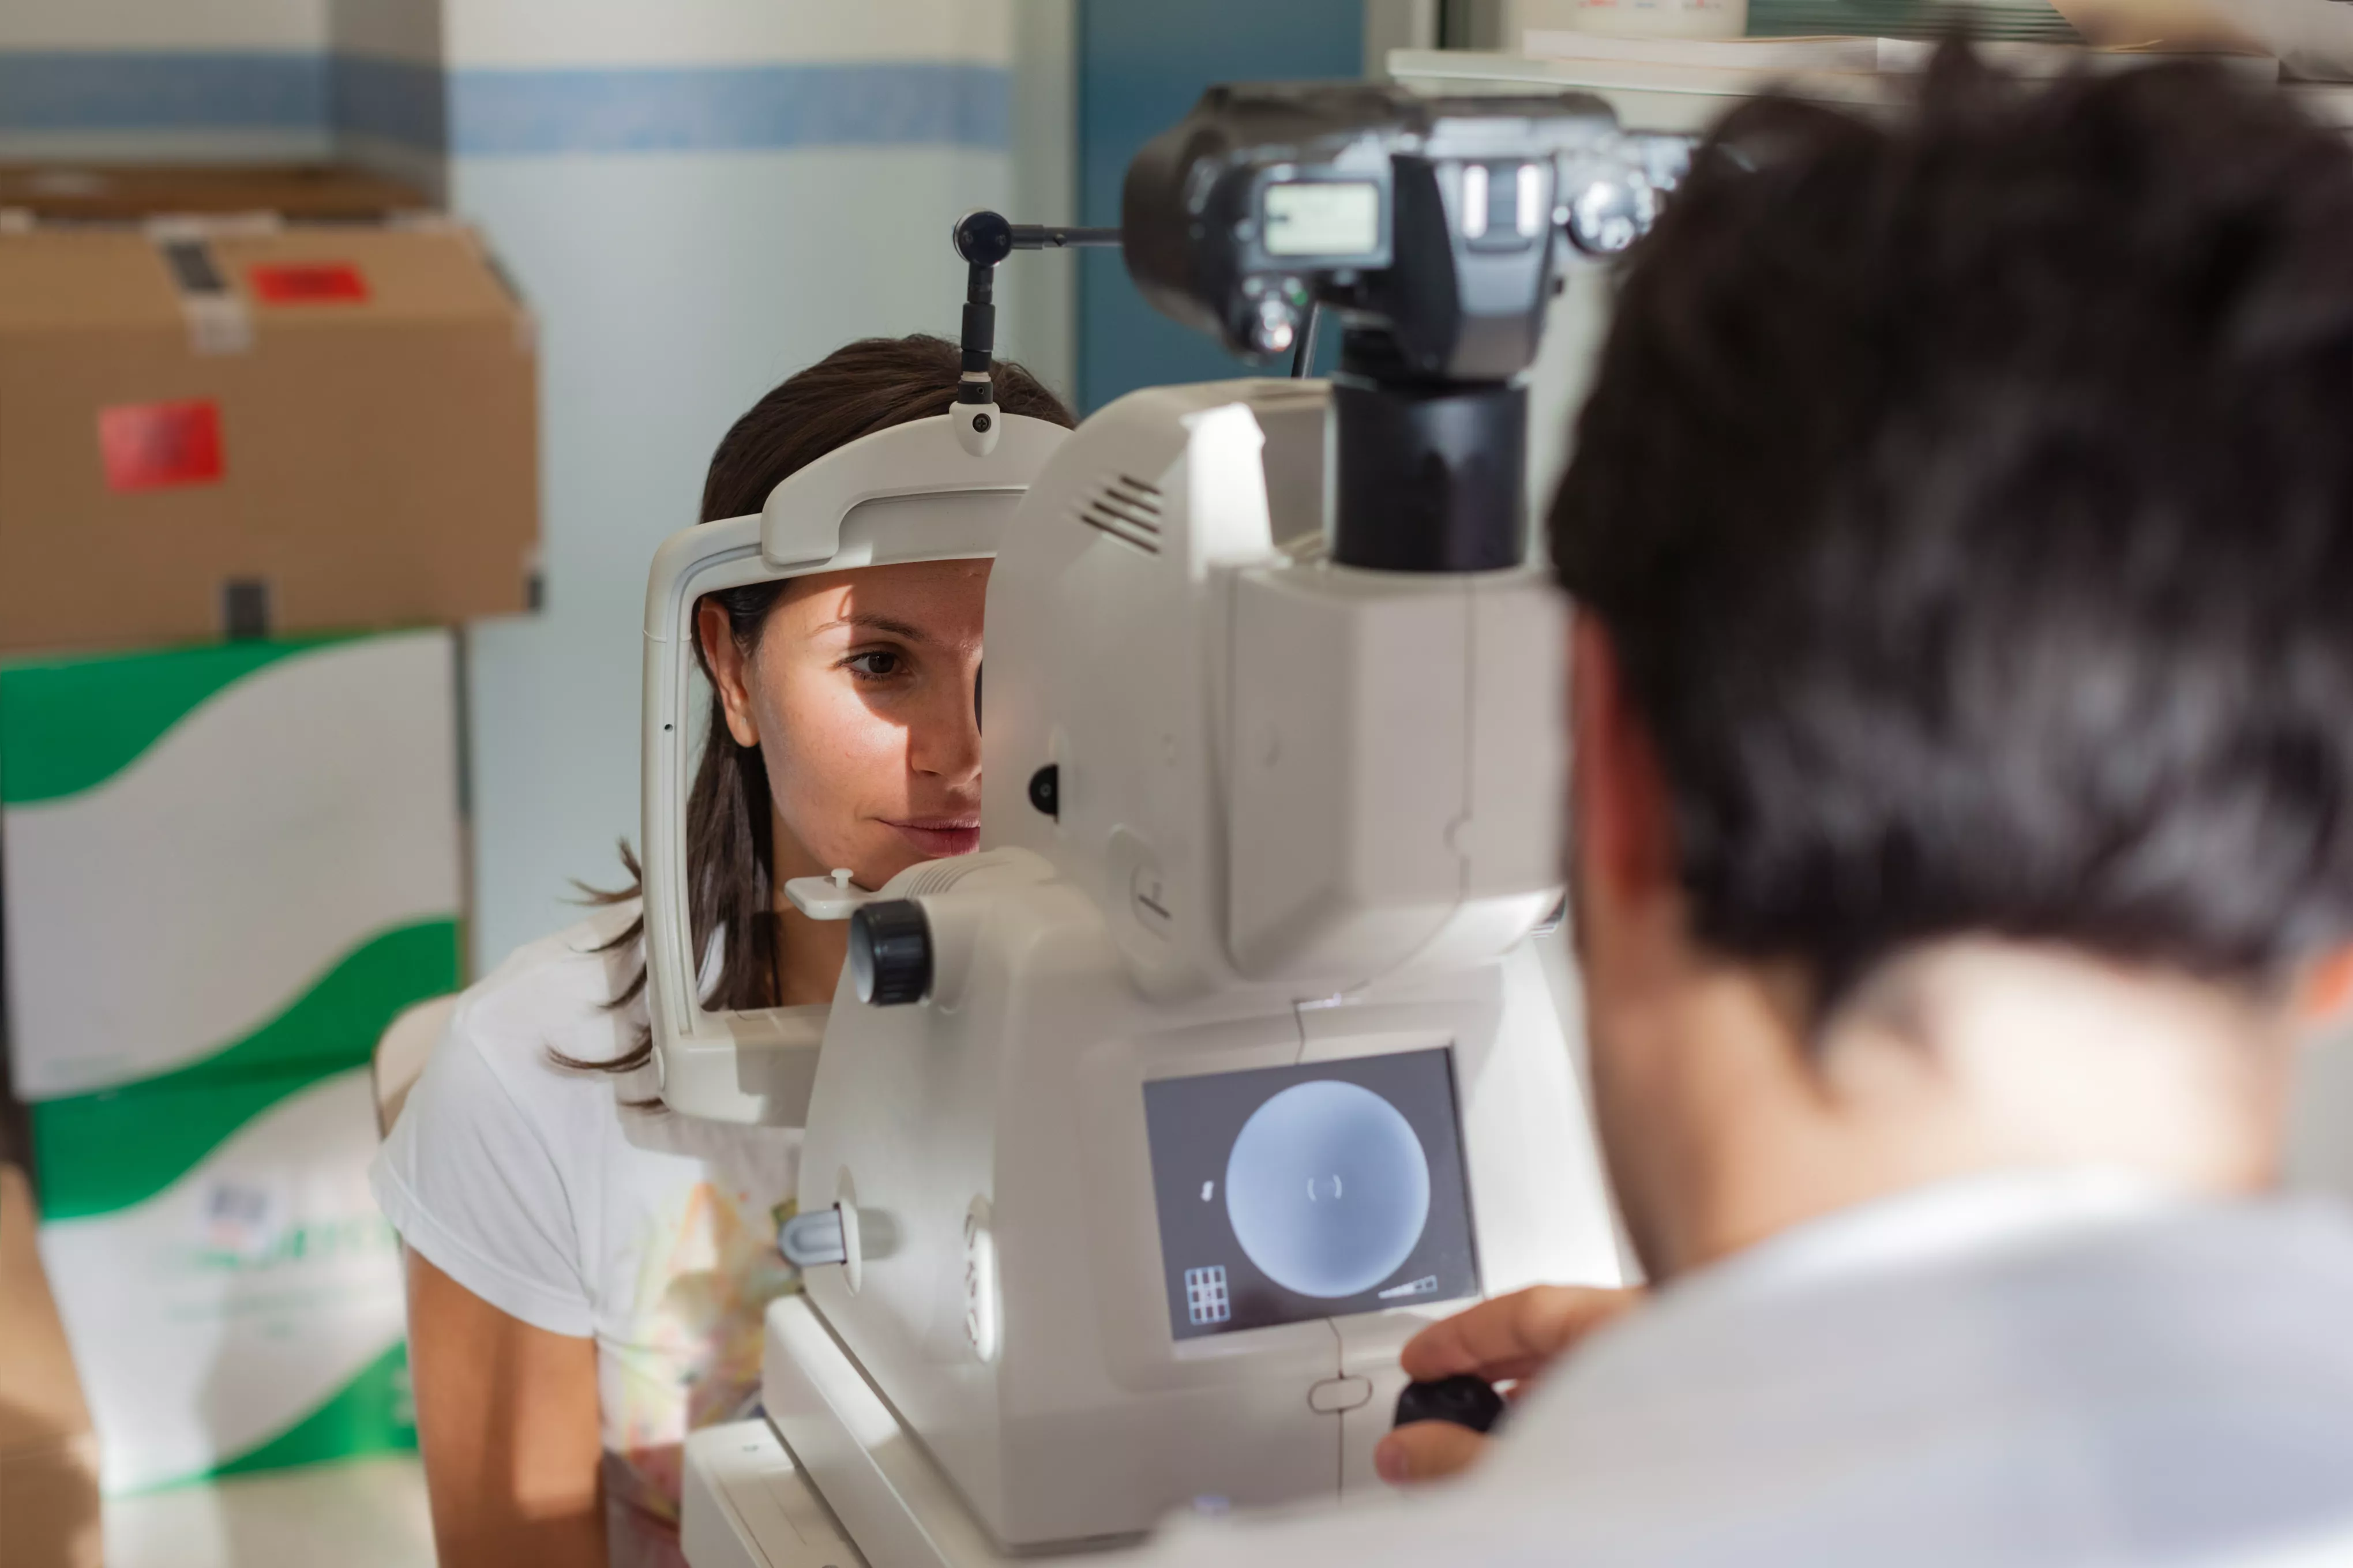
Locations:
{"points": [[1286, 1194]]}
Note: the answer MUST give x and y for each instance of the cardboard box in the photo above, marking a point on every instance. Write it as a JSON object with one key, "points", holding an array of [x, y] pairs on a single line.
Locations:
{"points": [[82, 193], [233, 1296], [220, 859], [49, 1458], [248, 427], [223, 871]]}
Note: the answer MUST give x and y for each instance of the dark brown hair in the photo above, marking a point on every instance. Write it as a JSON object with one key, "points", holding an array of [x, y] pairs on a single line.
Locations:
{"points": [[858, 389], [1968, 497]]}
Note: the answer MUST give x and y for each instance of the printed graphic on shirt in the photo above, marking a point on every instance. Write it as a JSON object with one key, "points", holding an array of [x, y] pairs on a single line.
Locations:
{"points": [[690, 1354]]}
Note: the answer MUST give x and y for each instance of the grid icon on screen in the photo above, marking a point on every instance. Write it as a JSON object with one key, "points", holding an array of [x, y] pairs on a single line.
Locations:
{"points": [[1206, 1300]]}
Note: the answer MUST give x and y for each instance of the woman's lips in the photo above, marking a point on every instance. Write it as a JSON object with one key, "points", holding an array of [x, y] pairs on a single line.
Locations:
{"points": [[939, 837]]}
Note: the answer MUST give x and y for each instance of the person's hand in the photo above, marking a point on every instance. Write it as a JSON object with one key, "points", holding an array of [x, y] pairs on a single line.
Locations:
{"points": [[1507, 1341]]}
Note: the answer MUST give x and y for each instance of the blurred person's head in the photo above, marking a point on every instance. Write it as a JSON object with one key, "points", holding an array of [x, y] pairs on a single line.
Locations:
{"points": [[843, 731], [1961, 525]]}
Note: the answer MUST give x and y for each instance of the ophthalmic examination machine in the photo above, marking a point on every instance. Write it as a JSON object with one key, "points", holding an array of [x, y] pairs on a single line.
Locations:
{"points": [[1135, 1144]]}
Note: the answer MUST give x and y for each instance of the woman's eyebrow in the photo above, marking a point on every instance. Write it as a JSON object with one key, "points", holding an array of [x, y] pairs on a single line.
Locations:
{"points": [[883, 623]]}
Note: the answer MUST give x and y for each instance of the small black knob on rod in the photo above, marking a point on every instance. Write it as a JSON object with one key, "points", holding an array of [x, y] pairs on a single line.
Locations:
{"points": [[983, 237]]}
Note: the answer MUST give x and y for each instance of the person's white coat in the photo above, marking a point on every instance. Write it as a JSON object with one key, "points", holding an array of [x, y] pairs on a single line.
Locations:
{"points": [[2018, 1369]]}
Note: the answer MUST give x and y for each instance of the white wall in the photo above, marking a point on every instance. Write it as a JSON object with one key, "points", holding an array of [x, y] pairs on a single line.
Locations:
{"points": [[293, 25]]}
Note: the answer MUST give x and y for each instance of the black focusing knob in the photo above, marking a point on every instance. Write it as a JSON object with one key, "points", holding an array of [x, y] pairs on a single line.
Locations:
{"points": [[890, 952], [1045, 790], [1462, 1399], [983, 238]]}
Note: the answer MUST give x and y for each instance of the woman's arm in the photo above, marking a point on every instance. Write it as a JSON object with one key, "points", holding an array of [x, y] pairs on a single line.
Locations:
{"points": [[506, 1415]]}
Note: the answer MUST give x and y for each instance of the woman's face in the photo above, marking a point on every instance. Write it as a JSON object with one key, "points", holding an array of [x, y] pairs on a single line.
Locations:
{"points": [[860, 696]]}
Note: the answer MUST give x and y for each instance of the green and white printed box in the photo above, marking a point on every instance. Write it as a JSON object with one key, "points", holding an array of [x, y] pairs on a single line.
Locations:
{"points": [[223, 871], [233, 1297], [226, 858]]}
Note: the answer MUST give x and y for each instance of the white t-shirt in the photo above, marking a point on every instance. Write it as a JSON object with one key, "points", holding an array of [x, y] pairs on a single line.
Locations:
{"points": [[539, 1189], [2031, 1369]]}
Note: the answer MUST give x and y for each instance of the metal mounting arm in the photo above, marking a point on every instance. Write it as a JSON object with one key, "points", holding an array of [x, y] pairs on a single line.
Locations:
{"points": [[985, 238]]}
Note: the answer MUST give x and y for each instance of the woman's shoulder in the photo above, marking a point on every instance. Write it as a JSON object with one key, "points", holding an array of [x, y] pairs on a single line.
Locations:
{"points": [[556, 997], [499, 1159]]}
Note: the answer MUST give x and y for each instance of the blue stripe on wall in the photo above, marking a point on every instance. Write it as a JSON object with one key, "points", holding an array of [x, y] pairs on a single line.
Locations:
{"points": [[122, 91], [503, 113], [728, 107]]}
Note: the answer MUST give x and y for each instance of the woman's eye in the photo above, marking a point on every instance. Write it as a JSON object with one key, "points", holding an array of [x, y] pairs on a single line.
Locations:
{"points": [[879, 665]]}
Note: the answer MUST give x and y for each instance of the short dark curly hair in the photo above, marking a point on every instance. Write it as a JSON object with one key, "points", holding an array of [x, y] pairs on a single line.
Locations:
{"points": [[1968, 496]]}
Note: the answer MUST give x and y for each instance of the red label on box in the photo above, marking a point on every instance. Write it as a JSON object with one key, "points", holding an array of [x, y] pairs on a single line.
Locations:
{"points": [[154, 445], [308, 283]]}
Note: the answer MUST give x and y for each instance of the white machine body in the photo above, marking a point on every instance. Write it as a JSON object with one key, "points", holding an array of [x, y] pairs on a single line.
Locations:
{"points": [[1240, 1065], [918, 492]]}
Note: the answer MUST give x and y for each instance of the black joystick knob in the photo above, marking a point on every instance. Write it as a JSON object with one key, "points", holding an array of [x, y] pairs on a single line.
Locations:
{"points": [[983, 238], [1462, 1399], [890, 952]]}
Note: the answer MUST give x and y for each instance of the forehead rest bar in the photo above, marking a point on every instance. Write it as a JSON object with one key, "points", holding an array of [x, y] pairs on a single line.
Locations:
{"points": [[851, 506]]}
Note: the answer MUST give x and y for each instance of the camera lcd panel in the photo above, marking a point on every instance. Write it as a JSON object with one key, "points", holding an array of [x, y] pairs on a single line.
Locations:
{"points": [[1294, 1193], [1323, 217]]}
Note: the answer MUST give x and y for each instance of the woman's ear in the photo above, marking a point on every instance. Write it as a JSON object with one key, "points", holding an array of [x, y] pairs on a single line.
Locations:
{"points": [[731, 670], [2324, 993]]}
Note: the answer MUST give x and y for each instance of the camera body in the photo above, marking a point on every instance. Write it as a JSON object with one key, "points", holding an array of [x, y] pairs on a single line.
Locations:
{"points": [[1434, 230]]}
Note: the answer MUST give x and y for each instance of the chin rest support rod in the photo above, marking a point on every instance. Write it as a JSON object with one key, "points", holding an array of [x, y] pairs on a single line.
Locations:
{"points": [[984, 239]]}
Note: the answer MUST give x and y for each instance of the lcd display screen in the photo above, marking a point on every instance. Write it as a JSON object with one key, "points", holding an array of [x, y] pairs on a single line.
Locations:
{"points": [[1323, 217], [1296, 1192]]}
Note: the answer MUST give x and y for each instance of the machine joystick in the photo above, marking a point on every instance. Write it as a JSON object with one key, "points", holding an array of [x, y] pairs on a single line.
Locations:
{"points": [[1465, 1400], [890, 952]]}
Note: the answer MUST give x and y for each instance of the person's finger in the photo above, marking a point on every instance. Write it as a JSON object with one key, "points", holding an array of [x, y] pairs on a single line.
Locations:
{"points": [[1512, 1336], [1427, 1450]]}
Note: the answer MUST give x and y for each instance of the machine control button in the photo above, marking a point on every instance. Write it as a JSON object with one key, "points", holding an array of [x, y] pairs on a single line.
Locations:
{"points": [[1273, 325], [1149, 891], [1334, 1394], [1610, 213], [890, 952], [1045, 790], [813, 1240], [980, 1295]]}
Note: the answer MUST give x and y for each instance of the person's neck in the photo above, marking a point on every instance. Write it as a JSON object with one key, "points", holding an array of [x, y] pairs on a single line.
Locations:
{"points": [[1975, 1056], [810, 953]]}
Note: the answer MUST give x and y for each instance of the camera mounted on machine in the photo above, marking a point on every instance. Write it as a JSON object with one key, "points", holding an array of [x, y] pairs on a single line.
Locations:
{"points": [[1435, 230]]}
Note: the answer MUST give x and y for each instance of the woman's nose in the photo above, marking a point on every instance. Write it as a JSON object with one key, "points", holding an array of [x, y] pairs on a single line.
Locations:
{"points": [[946, 744]]}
